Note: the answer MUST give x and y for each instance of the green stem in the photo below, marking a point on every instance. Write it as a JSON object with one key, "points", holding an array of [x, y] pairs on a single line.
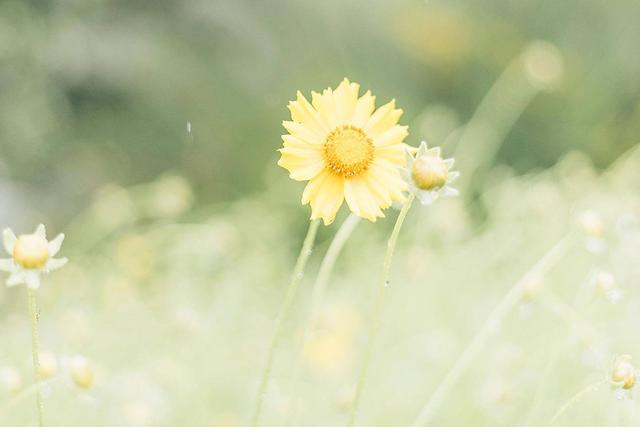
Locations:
{"points": [[319, 288], [496, 114], [574, 399], [34, 314], [296, 278], [497, 316], [379, 306]]}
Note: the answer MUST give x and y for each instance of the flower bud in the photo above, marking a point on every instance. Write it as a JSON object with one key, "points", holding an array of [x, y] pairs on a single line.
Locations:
{"points": [[82, 372], [31, 251], [10, 380], [48, 366], [624, 373], [429, 173], [592, 224], [532, 288]]}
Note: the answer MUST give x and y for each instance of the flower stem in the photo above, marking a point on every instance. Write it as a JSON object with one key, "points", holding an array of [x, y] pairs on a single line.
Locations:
{"points": [[296, 277], [379, 306], [35, 315], [319, 288], [497, 316], [574, 399]]}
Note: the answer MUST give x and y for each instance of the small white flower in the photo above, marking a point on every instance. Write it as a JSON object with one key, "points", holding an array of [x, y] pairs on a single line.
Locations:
{"points": [[31, 255], [429, 175], [623, 373]]}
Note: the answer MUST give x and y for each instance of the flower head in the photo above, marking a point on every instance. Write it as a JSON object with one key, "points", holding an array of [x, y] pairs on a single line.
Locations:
{"points": [[31, 255], [429, 175], [82, 371], [623, 374], [346, 150]]}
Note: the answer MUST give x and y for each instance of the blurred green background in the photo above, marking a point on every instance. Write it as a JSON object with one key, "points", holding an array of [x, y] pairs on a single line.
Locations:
{"points": [[100, 91]]}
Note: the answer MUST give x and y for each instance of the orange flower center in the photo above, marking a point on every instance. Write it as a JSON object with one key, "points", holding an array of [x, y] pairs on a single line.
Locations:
{"points": [[348, 151]]}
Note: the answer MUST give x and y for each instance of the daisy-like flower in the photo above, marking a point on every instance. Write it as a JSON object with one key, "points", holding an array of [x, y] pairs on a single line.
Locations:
{"points": [[31, 255], [346, 151], [429, 175]]}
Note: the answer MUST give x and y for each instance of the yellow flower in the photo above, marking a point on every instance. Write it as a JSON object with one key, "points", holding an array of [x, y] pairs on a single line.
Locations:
{"points": [[346, 151]]}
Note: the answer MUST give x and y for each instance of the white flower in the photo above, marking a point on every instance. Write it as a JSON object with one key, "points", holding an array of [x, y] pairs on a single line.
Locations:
{"points": [[31, 255], [429, 175]]}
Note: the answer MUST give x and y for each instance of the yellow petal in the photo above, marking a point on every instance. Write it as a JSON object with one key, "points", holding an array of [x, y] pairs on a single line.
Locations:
{"points": [[346, 96], [392, 136], [378, 189], [303, 112], [394, 153], [325, 194], [325, 105], [383, 119], [292, 141], [303, 132], [302, 163], [363, 109], [360, 199], [388, 175]]}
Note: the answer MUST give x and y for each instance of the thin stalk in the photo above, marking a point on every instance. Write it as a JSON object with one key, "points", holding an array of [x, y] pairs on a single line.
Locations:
{"points": [[379, 306], [575, 399], [496, 114], [35, 315], [296, 278], [497, 316], [319, 288]]}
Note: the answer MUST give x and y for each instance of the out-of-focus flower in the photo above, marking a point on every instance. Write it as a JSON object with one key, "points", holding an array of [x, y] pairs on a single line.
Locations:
{"points": [[593, 227], [138, 414], [32, 255], [591, 224], [429, 175], [543, 65], [135, 256], [82, 371], [171, 196], [606, 283], [329, 352], [10, 380], [623, 373], [331, 346], [345, 398], [532, 288], [346, 151], [114, 207], [342, 318], [48, 365], [438, 36], [497, 391]]}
